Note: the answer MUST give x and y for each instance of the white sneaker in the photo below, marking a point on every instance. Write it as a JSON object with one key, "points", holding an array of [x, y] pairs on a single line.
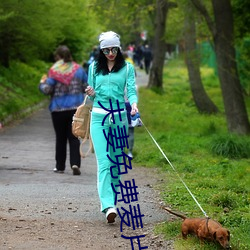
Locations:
{"points": [[58, 171], [76, 170], [130, 154], [111, 214]]}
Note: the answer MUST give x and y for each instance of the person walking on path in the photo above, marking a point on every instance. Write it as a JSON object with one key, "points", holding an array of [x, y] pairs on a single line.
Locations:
{"points": [[147, 54], [108, 78], [65, 84]]}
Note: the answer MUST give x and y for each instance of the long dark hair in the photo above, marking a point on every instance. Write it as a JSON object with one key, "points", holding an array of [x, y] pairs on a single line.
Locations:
{"points": [[101, 63]]}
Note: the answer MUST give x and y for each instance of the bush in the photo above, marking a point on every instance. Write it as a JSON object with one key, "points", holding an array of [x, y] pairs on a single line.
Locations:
{"points": [[224, 200], [231, 146]]}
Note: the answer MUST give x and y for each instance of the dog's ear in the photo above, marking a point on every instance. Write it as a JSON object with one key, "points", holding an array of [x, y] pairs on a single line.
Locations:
{"points": [[228, 237], [214, 235]]}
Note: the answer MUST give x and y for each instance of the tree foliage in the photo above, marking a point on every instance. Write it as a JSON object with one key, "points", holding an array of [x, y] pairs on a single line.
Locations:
{"points": [[241, 18], [175, 25], [242, 35], [126, 17], [28, 33]]}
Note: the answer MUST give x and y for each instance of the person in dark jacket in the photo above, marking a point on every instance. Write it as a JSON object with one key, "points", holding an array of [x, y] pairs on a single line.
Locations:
{"points": [[147, 54]]}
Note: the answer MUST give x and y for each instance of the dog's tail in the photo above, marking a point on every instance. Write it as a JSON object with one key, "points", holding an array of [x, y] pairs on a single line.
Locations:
{"points": [[175, 213]]}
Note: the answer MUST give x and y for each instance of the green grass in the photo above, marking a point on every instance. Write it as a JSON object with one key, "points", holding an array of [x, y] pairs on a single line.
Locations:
{"points": [[214, 164], [19, 88]]}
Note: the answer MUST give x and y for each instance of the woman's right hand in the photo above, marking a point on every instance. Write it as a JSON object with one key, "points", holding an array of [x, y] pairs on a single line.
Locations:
{"points": [[134, 109], [43, 79], [90, 91]]}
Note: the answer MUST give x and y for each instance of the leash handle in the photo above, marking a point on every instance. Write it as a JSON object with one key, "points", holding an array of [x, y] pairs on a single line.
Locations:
{"points": [[174, 170]]}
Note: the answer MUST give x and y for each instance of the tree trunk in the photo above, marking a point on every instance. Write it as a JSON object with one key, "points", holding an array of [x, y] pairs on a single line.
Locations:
{"points": [[235, 109], [159, 47], [201, 99], [223, 38]]}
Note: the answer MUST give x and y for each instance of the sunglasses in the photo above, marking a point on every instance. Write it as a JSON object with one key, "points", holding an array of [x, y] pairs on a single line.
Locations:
{"points": [[106, 51]]}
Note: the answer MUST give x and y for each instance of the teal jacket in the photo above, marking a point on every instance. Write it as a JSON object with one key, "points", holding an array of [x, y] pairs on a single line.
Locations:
{"points": [[113, 86]]}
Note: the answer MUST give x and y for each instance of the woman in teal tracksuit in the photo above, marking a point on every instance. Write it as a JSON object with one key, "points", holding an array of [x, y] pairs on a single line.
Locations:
{"points": [[109, 76]]}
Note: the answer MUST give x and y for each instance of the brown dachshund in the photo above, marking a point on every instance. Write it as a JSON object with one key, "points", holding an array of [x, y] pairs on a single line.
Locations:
{"points": [[204, 229]]}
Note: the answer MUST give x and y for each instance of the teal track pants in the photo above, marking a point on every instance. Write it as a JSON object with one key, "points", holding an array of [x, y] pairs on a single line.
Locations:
{"points": [[101, 147]]}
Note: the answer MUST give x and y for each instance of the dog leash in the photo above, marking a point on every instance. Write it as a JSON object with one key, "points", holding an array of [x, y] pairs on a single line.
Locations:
{"points": [[174, 170]]}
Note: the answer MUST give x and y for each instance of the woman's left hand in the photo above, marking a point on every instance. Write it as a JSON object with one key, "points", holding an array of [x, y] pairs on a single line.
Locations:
{"points": [[134, 109]]}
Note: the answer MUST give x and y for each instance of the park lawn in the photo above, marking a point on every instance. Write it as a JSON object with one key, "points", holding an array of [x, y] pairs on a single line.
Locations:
{"points": [[192, 143]]}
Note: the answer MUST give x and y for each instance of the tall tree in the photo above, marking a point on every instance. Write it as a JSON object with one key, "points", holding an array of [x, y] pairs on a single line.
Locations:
{"points": [[201, 99], [159, 44], [223, 38]]}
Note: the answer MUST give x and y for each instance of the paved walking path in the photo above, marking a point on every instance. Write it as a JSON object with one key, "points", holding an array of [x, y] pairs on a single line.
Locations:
{"points": [[31, 191]]}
